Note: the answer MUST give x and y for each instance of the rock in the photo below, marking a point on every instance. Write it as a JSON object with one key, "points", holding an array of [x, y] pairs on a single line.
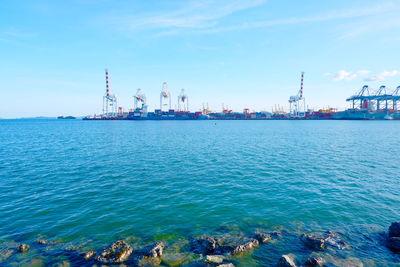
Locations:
{"points": [[226, 265], [314, 262], [334, 240], [203, 245], [88, 255], [252, 243], [313, 242], [262, 237], [275, 234], [152, 251], [42, 241], [233, 244], [23, 248], [393, 243], [286, 261], [117, 252], [214, 259], [394, 229], [157, 249], [150, 255]]}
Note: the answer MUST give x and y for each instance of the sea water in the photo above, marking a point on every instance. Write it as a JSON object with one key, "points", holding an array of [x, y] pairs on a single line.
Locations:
{"points": [[94, 182]]}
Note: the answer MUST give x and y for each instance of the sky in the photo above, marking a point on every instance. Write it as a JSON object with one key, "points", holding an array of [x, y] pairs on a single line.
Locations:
{"points": [[240, 53]]}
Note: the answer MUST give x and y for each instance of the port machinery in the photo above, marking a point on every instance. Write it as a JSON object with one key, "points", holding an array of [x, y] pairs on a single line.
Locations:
{"points": [[183, 101], [139, 100], [165, 97], [378, 100], [110, 108], [298, 102]]}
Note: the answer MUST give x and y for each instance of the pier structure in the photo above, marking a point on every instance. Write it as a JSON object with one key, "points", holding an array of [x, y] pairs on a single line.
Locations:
{"points": [[380, 99], [110, 108], [298, 102]]}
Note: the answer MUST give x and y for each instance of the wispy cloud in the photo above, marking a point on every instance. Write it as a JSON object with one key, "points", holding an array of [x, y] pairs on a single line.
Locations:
{"points": [[15, 36], [343, 75], [347, 75], [205, 17], [191, 15], [381, 76], [333, 15]]}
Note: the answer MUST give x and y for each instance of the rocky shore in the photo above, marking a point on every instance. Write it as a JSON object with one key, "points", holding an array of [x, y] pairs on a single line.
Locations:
{"points": [[224, 249]]}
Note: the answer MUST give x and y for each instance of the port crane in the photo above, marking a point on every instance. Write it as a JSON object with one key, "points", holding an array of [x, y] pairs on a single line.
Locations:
{"points": [[139, 98], [298, 103], [165, 96], [368, 99], [183, 101], [110, 108]]}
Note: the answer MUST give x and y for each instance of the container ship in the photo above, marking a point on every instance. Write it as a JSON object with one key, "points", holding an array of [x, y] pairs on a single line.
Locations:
{"points": [[140, 114]]}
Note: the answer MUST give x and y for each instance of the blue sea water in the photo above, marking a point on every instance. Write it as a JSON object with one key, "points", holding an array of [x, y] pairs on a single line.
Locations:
{"points": [[75, 181]]}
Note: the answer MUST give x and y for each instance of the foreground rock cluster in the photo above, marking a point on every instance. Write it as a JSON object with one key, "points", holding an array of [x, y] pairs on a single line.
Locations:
{"points": [[222, 250]]}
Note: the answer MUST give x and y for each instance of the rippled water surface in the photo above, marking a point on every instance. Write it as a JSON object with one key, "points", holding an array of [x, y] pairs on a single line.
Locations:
{"points": [[73, 180]]}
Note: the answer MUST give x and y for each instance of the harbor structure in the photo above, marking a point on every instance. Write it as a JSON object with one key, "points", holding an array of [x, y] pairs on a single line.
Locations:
{"points": [[165, 97], [381, 99], [183, 101], [297, 103], [367, 104], [110, 108]]}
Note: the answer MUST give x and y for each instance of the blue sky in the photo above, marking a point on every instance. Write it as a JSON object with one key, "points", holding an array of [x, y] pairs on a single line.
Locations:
{"points": [[240, 53]]}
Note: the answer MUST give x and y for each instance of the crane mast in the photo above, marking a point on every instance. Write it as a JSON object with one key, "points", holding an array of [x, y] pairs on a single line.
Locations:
{"points": [[298, 103]]}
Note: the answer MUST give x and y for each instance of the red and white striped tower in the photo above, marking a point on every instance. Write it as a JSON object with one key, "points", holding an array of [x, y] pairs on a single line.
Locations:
{"points": [[301, 86], [106, 97], [107, 88], [109, 101], [298, 102]]}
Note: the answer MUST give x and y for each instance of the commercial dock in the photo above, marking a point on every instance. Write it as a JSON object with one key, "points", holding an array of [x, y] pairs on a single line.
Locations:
{"points": [[367, 104]]}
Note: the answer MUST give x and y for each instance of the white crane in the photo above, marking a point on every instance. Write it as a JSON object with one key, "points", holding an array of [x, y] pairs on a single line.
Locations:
{"points": [[183, 101], [298, 103], [110, 108], [165, 95], [139, 98]]}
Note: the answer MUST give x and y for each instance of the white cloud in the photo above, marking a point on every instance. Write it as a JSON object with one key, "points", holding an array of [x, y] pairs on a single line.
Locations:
{"points": [[381, 76], [362, 72], [344, 75]]}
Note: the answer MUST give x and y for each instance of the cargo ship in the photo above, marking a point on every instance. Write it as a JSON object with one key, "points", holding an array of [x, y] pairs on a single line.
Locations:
{"points": [[365, 114], [239, 116], [158, 114]]}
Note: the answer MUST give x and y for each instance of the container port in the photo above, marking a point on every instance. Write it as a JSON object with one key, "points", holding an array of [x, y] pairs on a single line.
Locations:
{"points": [[367, 104]]}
